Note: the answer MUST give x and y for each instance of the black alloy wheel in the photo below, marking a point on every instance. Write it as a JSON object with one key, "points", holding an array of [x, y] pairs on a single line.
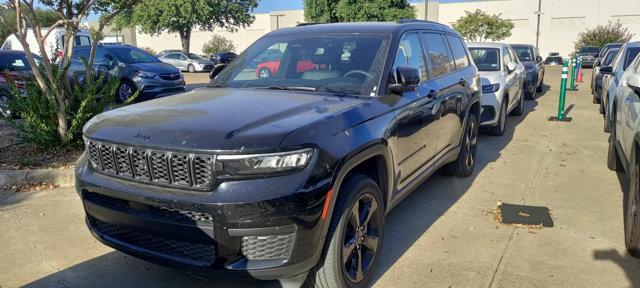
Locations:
{"points": [[361, 241]]}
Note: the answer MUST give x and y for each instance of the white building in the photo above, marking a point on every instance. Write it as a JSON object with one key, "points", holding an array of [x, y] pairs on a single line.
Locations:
{"points": [[560, 22]]}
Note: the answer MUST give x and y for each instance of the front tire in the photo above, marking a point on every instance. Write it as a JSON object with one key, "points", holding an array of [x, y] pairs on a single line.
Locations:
{"points": [[191, 68], [125, 91], [5, 112], [613, 159], [354, 237], [519, 110], [264, 73], [499, 129], [465, 163], [631, 217]]}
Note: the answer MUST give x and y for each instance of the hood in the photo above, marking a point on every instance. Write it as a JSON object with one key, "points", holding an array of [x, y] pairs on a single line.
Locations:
{"points": [[216, 119], [491, 77], [157, 67]]}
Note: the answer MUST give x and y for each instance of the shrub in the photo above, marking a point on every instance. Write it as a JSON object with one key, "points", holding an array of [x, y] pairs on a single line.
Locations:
{"points": [[149, 50], [603, 34], [217, 44], [38, 110], [478, 26]]}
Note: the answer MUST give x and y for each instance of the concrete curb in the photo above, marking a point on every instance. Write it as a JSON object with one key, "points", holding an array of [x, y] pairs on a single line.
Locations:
{"points": [[61, 176]]}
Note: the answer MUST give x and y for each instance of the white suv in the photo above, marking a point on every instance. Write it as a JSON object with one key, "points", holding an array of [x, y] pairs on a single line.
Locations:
{"points": [[502, 77], [624, 148]]}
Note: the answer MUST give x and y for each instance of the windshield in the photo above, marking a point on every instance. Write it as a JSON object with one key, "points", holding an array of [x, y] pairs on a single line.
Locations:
{"points": [[524, 53], [335, 63], [592, 50], [486, 59], [193, 56], [609, 57], [130, 55]]}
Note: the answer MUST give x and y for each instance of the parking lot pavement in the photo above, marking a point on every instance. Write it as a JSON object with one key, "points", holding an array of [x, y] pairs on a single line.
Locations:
{"points": [[196, 80], [443, 235]]}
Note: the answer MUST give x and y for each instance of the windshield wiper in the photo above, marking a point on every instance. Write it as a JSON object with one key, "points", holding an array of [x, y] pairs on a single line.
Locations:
{"points": [[290, 88]]}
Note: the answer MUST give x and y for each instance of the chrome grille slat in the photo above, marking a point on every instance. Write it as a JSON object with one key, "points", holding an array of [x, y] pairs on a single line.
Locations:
{"points": [[189, 170]]}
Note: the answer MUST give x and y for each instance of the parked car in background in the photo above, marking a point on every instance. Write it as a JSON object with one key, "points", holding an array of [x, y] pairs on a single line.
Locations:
{"points": [[606, 49], [611, 80], [589, 55], [288, 177], [54, 43], [15, 71], [624, 150], [163, 52], [222, 57], [138, 71], [534, 68], [596, 76], [554, 58], [502, 77], [268, 69], [187, 61]]}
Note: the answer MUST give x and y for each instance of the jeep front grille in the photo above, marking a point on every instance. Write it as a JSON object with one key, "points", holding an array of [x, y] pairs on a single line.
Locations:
{"points": [[175, 169]]}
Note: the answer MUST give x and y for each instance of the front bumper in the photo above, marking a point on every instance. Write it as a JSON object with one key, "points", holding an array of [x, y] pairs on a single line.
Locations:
{"points": [[155, 87], [204, 68], [266, 228], [530, 82], [491, 104]]}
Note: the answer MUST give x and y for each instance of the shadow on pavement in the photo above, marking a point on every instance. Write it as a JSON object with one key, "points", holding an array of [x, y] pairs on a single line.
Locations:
{"points": [[404, 225]]}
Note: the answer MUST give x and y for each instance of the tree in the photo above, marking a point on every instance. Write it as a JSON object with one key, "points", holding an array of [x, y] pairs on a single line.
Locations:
{"points": [[602, 34], [479, 26], [328, 11], [217, 44], [181, 16], [51, 75]]}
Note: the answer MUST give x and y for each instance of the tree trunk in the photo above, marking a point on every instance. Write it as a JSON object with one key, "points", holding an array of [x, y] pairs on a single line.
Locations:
{"points": [[185, 38]]}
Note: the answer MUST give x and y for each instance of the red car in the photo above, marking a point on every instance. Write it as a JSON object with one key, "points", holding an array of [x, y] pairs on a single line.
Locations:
{"points": [[266, 69]]}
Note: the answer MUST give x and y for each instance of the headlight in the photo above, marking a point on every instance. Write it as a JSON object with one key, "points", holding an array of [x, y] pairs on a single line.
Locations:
{"points": [[144, 74], [492, 88], [265, 163]]}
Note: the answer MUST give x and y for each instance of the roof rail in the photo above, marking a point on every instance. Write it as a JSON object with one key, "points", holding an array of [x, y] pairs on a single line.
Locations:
{"points": [[405, 21], [307, 24]]}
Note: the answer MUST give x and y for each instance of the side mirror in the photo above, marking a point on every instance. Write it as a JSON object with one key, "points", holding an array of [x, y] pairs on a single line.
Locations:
{"points": [[606, 70], [539, 58], [633, 82], [511, 66], [216, 70], [407, 78]]}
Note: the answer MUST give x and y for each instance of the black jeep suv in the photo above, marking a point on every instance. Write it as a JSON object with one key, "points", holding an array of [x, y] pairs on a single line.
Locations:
{"points": [[290, 175]]}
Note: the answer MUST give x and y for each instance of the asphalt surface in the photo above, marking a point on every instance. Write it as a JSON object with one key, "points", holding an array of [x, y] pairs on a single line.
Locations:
{"points": [[443, 235]]}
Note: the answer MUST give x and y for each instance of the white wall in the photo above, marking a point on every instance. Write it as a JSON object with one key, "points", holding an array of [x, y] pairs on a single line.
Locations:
{"points": [[560, 22]]}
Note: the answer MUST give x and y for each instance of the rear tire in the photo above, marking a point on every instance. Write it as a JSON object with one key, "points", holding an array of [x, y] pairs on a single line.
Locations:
{"points": [[349, 233], [464, 165], [499, 129], [632, 217]]}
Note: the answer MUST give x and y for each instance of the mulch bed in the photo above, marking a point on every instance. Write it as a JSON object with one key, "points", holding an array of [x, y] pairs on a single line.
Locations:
{"points": [[16, 156], [29, 187]]}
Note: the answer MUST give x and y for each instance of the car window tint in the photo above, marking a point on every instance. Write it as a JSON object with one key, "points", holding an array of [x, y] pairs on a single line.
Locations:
{"points": [[172, 56], [438, 53], [631, 55], [81, 54], [459, 52], [411, 54], [506, 58], [486, 59], [7, 45], [82, 40], [512, 55]]}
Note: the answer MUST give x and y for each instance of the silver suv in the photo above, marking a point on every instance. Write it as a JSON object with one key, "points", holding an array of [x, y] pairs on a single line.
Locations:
{"points": [[187, 61], [624, 146]]}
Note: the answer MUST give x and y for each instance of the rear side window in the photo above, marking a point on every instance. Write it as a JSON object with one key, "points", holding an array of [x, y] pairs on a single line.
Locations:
{"points": [[459, 52], [7, 45], [411, 54], [438, 53], [632, 53]]}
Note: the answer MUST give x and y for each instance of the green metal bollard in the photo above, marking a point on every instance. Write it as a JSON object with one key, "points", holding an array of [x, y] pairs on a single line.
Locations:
{"points": [[563, 90], [574, 72]]}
